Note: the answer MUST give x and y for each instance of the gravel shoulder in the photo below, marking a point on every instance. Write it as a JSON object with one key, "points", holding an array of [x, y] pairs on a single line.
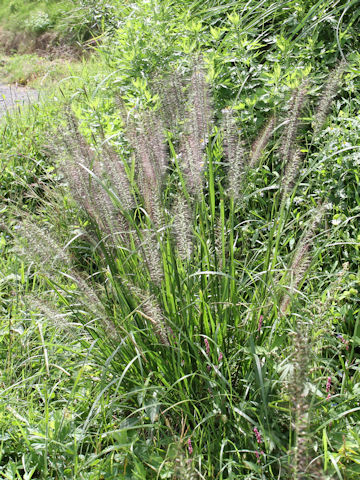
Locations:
{"points": [[12, 96]]}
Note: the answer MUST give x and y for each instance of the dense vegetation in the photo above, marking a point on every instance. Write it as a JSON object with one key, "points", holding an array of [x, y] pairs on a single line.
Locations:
{"points": [[179, 281]]}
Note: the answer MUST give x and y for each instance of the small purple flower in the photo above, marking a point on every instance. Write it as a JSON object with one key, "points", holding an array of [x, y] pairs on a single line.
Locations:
{"points": [[190, 448], [259, 325], [344, 341], [257, 435], [207, 346], [220, 357], [328, 386], [257, 454]]}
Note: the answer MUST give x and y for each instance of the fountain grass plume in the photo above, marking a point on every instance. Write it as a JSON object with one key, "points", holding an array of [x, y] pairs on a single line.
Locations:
{"points": [[201, 112], [47, 309], [171, 92], [301, 259], [150, 310], [41, 247], [152, 256], [196, 131], [89, 193], [115, 172], [290, 174], [182, 227], [328, 95], [295, 106], [260, 143], [234, 153], [145, 133]]}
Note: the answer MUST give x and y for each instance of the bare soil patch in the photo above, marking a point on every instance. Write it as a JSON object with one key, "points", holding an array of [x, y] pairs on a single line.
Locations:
{"points": [[47, 44]]}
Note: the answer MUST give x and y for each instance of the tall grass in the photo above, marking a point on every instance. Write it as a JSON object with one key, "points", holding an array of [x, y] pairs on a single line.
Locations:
{"points": [[189, 288]]}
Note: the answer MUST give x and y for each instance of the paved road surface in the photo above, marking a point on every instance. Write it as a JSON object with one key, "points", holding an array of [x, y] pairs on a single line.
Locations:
{"points": [[11, 96]]}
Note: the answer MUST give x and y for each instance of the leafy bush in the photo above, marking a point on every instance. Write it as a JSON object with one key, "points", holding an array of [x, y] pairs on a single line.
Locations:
{"points": [[38, 22]]}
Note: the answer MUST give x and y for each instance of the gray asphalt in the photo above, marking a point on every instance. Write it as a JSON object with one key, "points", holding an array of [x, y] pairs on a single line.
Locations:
{"points": [[12, 96]]}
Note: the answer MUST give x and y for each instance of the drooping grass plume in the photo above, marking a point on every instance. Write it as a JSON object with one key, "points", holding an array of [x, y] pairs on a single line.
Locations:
{"points": [[182, 227], [171, 91], [302, 258], [146, 136], [150, 310], [74, 142], [86, 171], [192, 163], [152, 255], [234, 153], [261, 142], [196, 131], [115, 172], [328, 95], [296, 103], [91, 195], [290, 174], [201, 113], [46, 308], [41, 247]]}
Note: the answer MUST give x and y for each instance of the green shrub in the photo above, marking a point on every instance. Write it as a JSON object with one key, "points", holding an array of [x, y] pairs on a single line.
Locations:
{"points": [[38, 22]]}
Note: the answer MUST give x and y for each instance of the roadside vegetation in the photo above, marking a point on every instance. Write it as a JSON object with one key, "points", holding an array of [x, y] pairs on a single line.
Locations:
{"points": [[72, 20], [179, 272]]}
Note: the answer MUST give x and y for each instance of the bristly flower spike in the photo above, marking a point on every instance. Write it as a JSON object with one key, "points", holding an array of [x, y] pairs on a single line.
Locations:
{"points": [[300, 403], [146, 136], [261, 142], [292, 122], [302, 259], [197, 129], [234, 153], [152, 254], [182, 228], [114, 169], [152, 312], [291, 171], [328, 96]]}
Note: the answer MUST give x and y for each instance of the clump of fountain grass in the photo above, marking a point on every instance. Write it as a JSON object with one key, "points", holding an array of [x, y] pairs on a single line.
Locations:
{"points": [[190, 300]]}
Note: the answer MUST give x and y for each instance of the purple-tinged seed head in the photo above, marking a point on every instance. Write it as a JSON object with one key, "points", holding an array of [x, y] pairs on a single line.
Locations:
{"points": [[328, 386], [207, 346], [190, 448], [257, 435]]}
